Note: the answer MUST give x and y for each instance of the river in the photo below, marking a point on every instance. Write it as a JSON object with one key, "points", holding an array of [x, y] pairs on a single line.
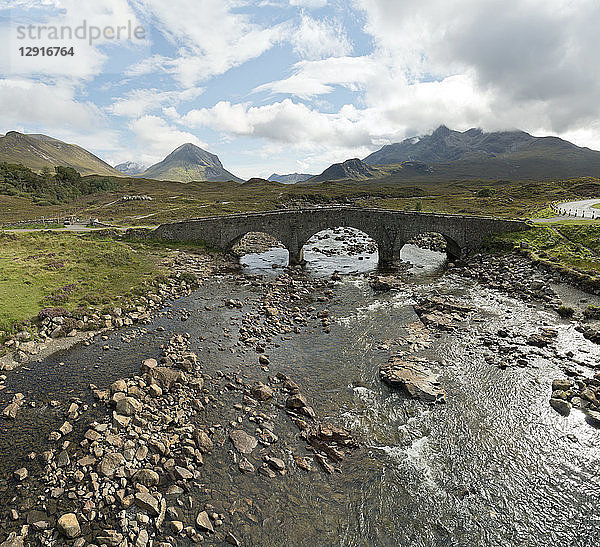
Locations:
{"points": [[495, 465]]}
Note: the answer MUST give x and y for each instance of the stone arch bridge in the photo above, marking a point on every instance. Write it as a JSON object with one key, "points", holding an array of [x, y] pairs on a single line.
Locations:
{"points": [[294, 227]]}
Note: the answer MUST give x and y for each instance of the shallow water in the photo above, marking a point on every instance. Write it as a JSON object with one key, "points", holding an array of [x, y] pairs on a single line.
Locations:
{"points": [[494, 466]]}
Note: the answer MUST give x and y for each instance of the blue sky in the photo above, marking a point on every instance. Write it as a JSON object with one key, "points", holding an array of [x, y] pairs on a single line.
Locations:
{"points": [[295, 85]]}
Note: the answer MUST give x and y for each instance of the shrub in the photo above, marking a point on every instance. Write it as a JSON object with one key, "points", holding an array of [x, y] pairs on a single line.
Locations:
{"points": [[592, 312], [189, 277], [485, 193], [565, 311], [53, 312]]}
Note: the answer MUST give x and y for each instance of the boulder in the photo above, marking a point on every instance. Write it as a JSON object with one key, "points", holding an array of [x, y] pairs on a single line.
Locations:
{"points": [[561, 406], [182, 473], [118, 386], [165, 377], [295, 402], [148, 365], [203, 521], [21, 474], [147, 477], [243, 442], [128, 406], [148, 503], [68, 525], [203, 441], [386, 283], [110, 463], [561, 384], [593, 418], [261, 392], [415, 379]]}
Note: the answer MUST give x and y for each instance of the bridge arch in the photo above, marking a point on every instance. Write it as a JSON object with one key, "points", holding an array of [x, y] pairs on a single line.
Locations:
{"points": [[250, 238], [453, 249], [353, 242], [315, 231]]}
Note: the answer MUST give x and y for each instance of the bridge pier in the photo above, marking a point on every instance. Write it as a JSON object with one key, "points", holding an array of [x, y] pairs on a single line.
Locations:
{"points": [[296, 256], [387, 253]]}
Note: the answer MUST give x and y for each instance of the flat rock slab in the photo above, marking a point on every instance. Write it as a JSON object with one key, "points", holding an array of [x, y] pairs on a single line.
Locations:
{"points": [[416, 380], [204, 523], [243, 442]]}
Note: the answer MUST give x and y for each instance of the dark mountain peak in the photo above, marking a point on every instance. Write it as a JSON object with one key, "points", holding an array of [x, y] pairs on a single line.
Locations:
{"points": [[512, 154], [441, 131], [354, 169]]}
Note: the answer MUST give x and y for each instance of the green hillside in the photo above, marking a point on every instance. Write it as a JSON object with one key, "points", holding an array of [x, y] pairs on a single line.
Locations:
{"points": [[39, 151]]}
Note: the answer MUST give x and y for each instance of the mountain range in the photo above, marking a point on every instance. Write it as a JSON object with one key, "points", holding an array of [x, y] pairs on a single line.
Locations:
{"points": [[441, 156], [473, 154], [39, 151]]}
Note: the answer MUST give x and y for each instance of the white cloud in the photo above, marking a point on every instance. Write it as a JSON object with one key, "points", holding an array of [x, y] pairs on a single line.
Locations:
{"points": [[312, 78], [51, 105], [309, 3], [320, 38], [138, 102], [156, 138], [211, 37], [52, 109], [532, 62], [289, 123]]}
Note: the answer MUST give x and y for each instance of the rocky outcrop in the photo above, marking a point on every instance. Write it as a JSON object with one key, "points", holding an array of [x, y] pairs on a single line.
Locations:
{"points": [[442, 313], [417, 381]]}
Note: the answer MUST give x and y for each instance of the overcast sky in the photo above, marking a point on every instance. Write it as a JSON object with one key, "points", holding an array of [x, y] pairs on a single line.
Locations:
{"points": [[295, 85]]}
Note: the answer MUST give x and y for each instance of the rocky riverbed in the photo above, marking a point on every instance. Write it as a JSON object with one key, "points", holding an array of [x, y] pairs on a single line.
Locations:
{"points": [[252, 411]]}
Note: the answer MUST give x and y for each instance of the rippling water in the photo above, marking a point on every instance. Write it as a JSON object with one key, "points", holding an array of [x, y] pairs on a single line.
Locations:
{"points": [[494, 466]]}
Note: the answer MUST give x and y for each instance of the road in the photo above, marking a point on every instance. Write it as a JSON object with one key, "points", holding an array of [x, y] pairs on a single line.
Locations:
{"points": [[573, 209], [584, 208]]}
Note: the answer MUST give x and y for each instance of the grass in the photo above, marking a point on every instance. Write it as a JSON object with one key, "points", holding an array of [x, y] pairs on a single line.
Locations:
{"points": [[46, 269], [574, 247], [596, 206], [175, 201], [33, 226], [575, 222]]}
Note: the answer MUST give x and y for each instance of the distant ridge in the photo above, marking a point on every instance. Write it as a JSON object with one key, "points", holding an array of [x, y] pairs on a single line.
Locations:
{"points": [[131, 168], [292, 178], [510, 155], [445, 145], [189, 163], [38, 151]]}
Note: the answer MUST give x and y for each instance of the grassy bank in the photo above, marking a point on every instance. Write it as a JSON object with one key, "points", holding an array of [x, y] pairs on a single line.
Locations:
{"points": [[571, 248], [47, 269]]}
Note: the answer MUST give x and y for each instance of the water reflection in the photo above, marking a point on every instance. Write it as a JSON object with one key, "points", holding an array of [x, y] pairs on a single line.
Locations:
{"points": [[347, 251]]}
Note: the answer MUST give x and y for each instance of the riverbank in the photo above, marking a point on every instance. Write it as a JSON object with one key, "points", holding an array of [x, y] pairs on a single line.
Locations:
{"points": [[195, 433], [58, 285]]}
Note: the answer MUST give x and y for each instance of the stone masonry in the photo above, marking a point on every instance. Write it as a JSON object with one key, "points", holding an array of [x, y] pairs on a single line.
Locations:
{"points": [[294, 227]]}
